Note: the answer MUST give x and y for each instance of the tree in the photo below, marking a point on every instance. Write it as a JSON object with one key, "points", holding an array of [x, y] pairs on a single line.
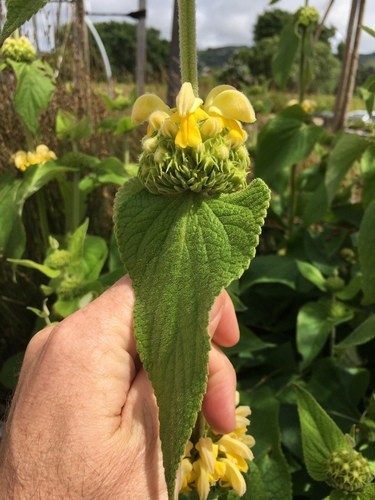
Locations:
{"points": [[270, 23], [119, 40]]}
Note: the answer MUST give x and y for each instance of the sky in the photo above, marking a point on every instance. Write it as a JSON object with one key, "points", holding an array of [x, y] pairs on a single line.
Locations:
{"points": [[222, 22]]}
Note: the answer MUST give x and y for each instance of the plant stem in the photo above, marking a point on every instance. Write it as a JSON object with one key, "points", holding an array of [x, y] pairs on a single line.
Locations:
{"points": [[301, 76], [293, 197], [188, 43], [75, 219], [199, 428], [42, 216]]}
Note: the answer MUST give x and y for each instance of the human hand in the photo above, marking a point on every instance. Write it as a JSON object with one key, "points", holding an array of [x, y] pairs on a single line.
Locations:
{"points": [[83, 422]]}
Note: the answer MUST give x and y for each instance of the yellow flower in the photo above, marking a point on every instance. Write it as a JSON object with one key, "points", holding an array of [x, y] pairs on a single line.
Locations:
{"points": [[225, 108], [189, 113], [229, 108], [23, 159], [233, 478], [20, 160], [218, 459]]}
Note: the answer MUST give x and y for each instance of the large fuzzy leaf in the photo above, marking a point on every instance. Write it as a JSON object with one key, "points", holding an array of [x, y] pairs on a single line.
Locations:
{"points": [[180, 251], [19, 11]]}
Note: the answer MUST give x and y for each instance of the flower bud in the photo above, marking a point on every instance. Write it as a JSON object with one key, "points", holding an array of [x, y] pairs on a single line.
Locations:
{"points": [[349, 471], [210, 128]]}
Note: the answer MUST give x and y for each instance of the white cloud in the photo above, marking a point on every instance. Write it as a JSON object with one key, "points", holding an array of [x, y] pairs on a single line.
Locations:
{"points": [[223, 22]]}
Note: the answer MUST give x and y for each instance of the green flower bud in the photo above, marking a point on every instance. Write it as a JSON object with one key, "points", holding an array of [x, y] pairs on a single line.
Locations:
{"points": [[306, 16], [335, 283], [70, 287], [213, 168], [338, 310], [349, 471], [18, 49], [58, 259]]}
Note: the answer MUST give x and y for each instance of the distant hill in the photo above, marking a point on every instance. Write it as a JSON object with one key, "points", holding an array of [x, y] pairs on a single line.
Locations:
{"points": [[367, 60], [216, 58]]}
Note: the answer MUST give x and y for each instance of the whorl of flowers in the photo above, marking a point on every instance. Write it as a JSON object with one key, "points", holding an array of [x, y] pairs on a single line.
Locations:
{"points": [[23, 159], [349, 471], [18, 49], [306, 16], [218, 460], [196, 146]]}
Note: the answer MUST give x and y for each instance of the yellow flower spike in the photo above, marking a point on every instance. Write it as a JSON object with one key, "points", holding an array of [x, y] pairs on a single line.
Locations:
{"points": [[145, 105], [230, 103]]}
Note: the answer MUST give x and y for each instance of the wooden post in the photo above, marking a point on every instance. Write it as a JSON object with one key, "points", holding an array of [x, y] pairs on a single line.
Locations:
{"points": [[349, 64], [141, 49], [81, 60]]}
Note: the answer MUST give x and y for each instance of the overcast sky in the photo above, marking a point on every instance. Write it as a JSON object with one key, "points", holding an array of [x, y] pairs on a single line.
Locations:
{"points": [[223, 22]]}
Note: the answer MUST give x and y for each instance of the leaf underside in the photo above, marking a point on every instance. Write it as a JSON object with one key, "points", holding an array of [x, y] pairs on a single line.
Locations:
{"points": [[180, 252]]}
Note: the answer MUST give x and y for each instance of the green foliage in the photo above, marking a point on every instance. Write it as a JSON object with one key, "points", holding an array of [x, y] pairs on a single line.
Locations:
{"points": [[18, 11], [34, 90], [286, 54], [119, 40], [170, 245], [320, 435], [270, 23]]}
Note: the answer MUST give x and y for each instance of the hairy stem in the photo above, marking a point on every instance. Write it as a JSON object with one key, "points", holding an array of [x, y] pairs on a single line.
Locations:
{"points": [[188, 43]]}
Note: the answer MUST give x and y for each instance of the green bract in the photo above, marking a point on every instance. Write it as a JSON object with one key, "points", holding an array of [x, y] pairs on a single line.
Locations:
{"points": [[180, 251], [213, 168]]}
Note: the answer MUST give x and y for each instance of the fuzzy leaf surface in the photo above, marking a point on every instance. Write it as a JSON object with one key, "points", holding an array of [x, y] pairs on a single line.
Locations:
{"points": [[320, 435], [19, 11], [180, 252]]}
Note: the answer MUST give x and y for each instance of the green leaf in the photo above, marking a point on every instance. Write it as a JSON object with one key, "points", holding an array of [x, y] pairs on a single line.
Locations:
{"points": [[285, 55], [269, 458], [369, 491], [347, 150], [361, 335], [366, 245], [68, 127], [368, 175], [284, 141], [47, 271], [255, 488], [320, 435], [95, 253], [180, 252], [369, 30], [313, 328], [18, 12], [271, 269], [35, 86], [13, 194], [312, 274]]}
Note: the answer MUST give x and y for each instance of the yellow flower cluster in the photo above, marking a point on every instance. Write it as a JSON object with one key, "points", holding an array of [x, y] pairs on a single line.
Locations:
{"points": [[18, 49], [198, 146], [308, 105], [218, 459], [193, 121], [23, 159]]}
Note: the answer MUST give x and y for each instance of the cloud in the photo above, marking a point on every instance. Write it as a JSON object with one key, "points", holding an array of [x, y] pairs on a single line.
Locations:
{"points": [[223, 22]]}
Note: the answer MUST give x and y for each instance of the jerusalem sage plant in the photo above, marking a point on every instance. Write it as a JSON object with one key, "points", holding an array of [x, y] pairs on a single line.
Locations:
{"points": [[186, 227]]}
